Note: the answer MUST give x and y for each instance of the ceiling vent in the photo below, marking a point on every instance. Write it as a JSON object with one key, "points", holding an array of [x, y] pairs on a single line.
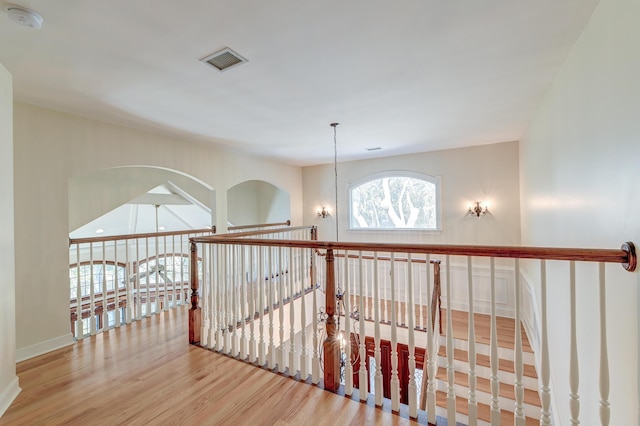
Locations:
{"points": [[224, 59]]}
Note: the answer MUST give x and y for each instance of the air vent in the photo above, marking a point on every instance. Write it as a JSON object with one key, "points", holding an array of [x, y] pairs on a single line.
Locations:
{"points": [[224, 59]]}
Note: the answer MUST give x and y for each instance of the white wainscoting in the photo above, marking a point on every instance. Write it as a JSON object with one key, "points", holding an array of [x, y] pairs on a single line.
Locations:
{"points": [[505, 289]]}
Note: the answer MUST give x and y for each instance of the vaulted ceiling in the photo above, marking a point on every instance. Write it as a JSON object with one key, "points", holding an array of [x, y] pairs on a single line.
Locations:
{"points": [[405, 76]]}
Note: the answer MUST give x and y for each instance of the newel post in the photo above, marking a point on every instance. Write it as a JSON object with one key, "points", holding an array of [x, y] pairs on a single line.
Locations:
{"points": [[195, 313], [331, 343]]}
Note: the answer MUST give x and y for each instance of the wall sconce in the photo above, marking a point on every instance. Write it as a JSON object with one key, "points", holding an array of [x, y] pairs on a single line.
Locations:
{"points": [[323, 213], [478, 209]]}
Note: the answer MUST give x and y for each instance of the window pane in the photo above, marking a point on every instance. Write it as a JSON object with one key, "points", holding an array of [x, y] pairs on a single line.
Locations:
{"points": [[395, 202]]}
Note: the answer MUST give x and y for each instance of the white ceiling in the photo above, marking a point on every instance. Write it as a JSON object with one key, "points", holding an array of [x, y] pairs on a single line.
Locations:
{"points": [[407, 76], [160, 209]]}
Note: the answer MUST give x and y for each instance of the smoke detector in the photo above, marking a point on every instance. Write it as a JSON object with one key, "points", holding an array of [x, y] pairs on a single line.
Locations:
{"points": [[224, 59], [24, 17]]}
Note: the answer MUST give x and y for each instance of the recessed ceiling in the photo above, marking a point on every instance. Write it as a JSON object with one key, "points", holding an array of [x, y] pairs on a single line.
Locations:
{"points": [[408, 76]]}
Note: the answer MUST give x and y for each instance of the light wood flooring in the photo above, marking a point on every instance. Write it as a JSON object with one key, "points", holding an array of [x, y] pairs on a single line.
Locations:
{"points": [[146, 373]]}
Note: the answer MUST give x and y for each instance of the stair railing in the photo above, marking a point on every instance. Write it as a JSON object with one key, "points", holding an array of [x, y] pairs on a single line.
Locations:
{"points": [[240, 289]]}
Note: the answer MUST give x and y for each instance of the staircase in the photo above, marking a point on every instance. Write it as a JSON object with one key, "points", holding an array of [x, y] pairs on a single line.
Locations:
{"points": [[506, 374]]}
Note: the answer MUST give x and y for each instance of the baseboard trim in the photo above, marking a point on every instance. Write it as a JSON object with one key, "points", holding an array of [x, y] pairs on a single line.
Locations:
{"points": [[23, 354], [8, 395]]}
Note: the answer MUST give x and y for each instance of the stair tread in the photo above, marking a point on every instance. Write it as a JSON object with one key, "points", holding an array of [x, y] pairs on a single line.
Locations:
{"points": [[505, 328], [485, 361], [531, 396], [484, 411]]}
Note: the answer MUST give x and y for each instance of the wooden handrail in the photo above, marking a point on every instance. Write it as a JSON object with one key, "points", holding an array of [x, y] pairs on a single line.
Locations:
{"points": [[626, 255], [237, 235], [136, 236], [259, 225]]}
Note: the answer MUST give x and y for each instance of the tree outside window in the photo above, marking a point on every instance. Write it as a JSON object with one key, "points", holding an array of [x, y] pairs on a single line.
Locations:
{"points": [[395, 202]]}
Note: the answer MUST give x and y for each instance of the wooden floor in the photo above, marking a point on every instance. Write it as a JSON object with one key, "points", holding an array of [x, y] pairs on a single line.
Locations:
{"points": [[147, 374]]}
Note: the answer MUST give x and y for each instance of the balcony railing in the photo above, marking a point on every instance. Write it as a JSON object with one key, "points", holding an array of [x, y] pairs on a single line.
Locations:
{"points": [[115, 280], [317, 311]]}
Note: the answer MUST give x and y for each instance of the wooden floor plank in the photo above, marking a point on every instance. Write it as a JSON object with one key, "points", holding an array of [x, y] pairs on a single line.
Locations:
{"points": [[146, 373]]}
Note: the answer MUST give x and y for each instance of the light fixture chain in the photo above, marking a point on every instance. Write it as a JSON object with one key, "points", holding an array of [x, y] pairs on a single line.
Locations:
{"points": [[335, 170]]}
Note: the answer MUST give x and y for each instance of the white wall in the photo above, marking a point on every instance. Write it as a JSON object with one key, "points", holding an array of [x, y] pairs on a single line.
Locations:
{"points": [[254, 202], [8, 381], [481, 173], [53, 147], [579, 168]]}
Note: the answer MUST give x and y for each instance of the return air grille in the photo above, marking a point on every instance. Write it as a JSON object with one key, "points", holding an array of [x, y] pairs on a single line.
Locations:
{"points": [[224, 59]]}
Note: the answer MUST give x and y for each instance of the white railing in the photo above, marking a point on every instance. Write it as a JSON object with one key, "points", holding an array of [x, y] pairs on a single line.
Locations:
{"points": [[267, 302], [120, 279]]}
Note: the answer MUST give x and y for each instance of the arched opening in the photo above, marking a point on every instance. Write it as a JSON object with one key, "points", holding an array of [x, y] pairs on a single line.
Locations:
{"points": [[140, 199], [256, 201]]}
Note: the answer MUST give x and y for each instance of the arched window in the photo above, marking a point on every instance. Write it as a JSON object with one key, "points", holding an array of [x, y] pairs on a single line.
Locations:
{"points": [[99, 273], [395, 200]]}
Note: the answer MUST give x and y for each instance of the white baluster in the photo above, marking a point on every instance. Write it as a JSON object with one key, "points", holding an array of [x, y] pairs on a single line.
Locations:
{"points": [[232, 275], [412, 388], [92, 306], [362, 373], [281, 360], [105, 292], [292, 315], [204, 296], [315, 362], [395, 381], [156, 286], [304, 352], [495, 381], [209, 283], [433, 344], [148, 277], [116, 283], [182, 250], [174, 290], [376, 317], [219, 289], [348, 368], [518, 415], [451, 394], [252, 304], [137, 290], [243, 302], [128, 283], [226, 300], [605, 412], [272, 349], [232, 285], [165, 284], [262, 352], [574, 374], [472, 402], [545, 390], [384, 315], [79, 322]]}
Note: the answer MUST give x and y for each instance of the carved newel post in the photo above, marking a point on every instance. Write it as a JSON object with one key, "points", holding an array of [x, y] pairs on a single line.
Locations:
{"points": [[195, 313], [332, 342]]}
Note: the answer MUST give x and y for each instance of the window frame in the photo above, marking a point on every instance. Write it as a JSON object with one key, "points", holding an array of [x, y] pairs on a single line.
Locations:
{"points": [[435, 180]]}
